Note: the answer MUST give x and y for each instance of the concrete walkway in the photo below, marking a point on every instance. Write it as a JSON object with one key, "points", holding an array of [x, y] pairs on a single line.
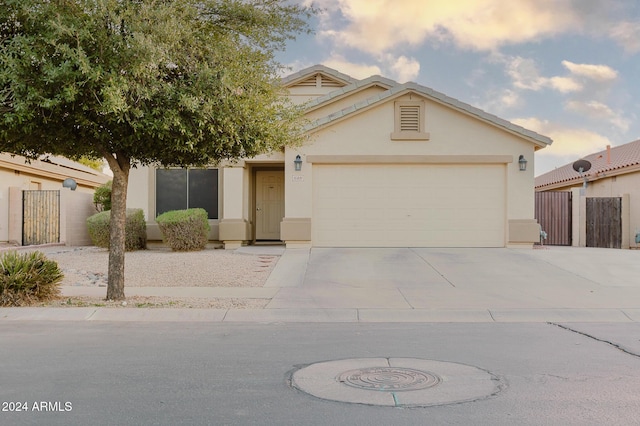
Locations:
{"points": [[551, 284]]}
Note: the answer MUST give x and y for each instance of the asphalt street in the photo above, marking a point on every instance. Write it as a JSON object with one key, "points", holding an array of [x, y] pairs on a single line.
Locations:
{"points": [[165, 373]]}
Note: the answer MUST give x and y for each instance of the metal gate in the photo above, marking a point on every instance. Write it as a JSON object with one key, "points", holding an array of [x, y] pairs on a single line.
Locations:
{"points": [[40, 217], [553, 212], [604, 222]]}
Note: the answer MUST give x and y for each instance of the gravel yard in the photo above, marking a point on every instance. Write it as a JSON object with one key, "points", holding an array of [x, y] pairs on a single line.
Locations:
{"points": [[161, 267]]}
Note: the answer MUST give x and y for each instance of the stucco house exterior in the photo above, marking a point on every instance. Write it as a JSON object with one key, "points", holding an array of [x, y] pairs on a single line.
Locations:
{"points": [[17, 175], [614, 172], [386, 165]]}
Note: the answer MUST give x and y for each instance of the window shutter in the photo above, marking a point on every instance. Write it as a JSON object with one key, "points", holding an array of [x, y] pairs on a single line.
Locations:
{"points": [[409, 118]]}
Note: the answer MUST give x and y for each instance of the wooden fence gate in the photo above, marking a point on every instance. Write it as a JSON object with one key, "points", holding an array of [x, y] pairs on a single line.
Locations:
{"points": [[553, 212], [40, 217], [604, 222]]}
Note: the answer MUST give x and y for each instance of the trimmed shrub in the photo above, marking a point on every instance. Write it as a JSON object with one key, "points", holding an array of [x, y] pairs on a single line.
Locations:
{"points": [[98, 227], [28, 278], [184, 230], [135, 229], [102, 197]]}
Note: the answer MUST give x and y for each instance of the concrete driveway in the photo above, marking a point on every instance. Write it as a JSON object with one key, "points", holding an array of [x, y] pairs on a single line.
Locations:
{"points": [[388, 283]]}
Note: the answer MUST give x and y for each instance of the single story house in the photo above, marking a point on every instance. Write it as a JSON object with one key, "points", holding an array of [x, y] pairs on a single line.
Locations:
{"points": [[614, 173], [386, 165], [47, 174]]}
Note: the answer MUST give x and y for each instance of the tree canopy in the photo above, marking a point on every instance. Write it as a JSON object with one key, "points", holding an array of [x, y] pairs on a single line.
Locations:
{"points": [[150, 82]]}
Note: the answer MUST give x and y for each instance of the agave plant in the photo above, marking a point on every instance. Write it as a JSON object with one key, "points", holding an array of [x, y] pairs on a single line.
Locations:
{"points": [[28, 278]]}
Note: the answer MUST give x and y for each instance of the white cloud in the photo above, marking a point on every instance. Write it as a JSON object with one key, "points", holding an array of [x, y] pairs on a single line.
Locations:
{"points": [[524, 73], [401, 69], [500, 101], [509, 98], [378, 26], [627, 34], [598, 110], [565, 84], [567, 141], [294, 67], [354, 70], [404, 69], [599, 73]]}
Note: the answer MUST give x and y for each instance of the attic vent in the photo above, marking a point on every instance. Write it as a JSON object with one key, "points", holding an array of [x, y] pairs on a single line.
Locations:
{"points": [[319, 80], [310, 82], [409, 121], [409, 118], [327, 82]]}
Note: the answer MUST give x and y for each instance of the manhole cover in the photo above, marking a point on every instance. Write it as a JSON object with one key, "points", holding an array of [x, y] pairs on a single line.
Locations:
{"points": [[389, 379], [396, 382]]}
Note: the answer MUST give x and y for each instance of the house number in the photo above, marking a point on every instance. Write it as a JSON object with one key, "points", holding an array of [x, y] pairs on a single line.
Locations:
{"points": [[298, 178]]}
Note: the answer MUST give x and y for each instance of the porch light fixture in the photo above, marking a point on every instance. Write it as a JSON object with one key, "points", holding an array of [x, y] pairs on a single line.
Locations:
{"points": [[298, 163], [522, 163]]}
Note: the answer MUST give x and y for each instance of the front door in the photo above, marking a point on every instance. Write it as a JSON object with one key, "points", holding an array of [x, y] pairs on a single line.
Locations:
{"points": [[269, 204]]}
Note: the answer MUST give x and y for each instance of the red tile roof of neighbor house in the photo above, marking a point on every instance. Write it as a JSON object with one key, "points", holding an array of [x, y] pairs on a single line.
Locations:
{"points": [[610, 159]]}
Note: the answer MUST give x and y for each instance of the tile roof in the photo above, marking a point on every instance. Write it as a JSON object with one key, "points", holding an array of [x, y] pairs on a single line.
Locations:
{"points": [[285, 81], [437, 96], [621, 156], [353, 87]]}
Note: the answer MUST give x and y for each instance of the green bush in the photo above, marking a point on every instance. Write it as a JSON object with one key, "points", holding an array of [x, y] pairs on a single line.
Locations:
{"points": [[102, 197], [28, 278], [135, 229], [184, 230]]}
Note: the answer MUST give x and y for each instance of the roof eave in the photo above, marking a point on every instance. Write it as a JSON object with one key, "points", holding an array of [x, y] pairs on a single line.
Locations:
{"points": [[344, 92], [303, 74], [539, 141]]}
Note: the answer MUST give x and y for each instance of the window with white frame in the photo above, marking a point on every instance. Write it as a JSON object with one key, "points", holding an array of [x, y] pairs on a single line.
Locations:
{"points": [[179, 189], [409, 121]]}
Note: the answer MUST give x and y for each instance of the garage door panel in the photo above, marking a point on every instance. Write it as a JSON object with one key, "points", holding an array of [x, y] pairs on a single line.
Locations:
{"points": [[409, 205]]}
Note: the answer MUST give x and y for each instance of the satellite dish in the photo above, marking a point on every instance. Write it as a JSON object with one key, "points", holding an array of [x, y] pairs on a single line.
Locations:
{"points": [[581, 166], [69, 183]]}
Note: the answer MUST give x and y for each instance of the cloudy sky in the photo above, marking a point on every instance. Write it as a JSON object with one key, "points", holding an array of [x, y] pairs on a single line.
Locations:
{"points": [[568, 69]]}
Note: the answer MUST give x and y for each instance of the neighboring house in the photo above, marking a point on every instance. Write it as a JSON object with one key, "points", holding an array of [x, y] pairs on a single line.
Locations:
{"points": [[614, 173], [386, 165], [17, 175]]}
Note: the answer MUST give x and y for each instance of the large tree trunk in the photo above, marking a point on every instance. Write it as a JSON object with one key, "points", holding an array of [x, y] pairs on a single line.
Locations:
{"points": [[120, 167]]}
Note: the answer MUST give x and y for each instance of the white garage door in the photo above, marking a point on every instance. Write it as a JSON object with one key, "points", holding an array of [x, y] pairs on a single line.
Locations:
{"points": [[408, 205]]}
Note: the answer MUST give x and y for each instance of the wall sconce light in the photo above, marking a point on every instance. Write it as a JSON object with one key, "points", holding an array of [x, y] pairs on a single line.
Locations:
{"points": [[298, 163], [69, 183], [522, 163]]}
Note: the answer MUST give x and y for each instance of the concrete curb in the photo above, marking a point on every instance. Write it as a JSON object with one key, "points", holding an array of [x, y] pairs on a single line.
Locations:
{"points": [[318, 315], [199, 292]]}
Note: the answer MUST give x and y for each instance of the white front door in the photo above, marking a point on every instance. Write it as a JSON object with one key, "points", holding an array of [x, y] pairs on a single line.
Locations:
{"points": [[269, 204]]}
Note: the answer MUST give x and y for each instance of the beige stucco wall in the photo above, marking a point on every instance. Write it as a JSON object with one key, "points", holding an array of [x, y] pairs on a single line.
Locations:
{"points": [[451, 133], [75, 208], [14, 172]]}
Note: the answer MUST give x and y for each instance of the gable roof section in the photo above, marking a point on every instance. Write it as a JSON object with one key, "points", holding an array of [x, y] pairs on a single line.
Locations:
{"points": [[328, 75], [401, 89], [618, 160], [355, 87], [54, 167]]}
